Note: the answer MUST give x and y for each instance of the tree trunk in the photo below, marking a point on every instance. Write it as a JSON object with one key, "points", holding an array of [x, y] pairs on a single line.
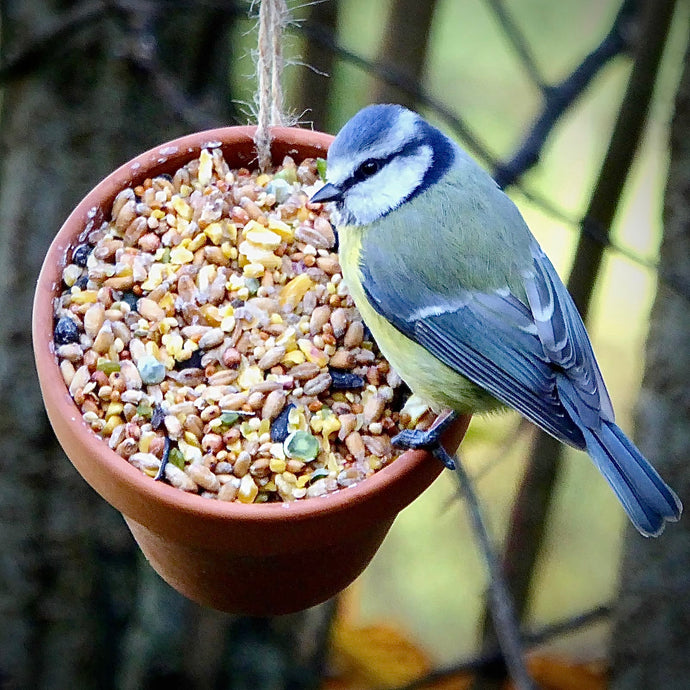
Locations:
{"points": [[650, 647], [316, 78], [404, 48], [86, 88], [528, 522]]}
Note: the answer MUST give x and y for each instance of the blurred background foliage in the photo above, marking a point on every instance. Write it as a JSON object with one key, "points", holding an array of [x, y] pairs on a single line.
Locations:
{"points": [[187, 65]]}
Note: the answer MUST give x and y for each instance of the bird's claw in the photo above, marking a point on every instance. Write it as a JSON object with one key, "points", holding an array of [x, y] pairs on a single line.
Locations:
{"points": [[427, 440]]}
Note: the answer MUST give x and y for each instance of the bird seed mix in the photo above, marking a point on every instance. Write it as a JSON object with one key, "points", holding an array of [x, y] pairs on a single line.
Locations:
{"points": [[206, 335]]}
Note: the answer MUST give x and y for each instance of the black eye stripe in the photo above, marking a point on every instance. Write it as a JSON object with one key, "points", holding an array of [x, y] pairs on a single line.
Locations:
{"points": [[360, 174]]}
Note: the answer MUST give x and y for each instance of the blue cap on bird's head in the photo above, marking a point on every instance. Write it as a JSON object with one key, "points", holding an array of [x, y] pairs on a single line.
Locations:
{"points": [[373, 125]]}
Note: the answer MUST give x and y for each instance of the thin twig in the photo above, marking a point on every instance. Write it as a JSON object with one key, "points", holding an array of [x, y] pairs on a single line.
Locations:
{"points": [[533, 639], [502, 610], [519, 43], [561, 97]]}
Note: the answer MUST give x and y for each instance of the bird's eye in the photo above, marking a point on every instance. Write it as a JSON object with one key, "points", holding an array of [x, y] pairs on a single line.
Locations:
{"points": [[367, 169]]}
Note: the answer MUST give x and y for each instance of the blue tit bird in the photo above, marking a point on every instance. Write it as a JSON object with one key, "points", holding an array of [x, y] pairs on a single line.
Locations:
{"points": [[463, 302]]}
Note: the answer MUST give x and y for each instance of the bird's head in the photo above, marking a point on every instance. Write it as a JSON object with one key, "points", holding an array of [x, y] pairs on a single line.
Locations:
{"points": [[381, 158]]}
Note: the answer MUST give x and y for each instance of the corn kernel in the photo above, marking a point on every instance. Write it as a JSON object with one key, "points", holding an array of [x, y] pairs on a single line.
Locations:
{"points": [[250, 376], [111, 424], [190, 438], [228, 324], [78, 296], [205, 167], [248, 489], [205, 277], [145, 441], [312, 353], [212, 314], [332, 463], [277, 465], [255, 253], [281, 228], [156, 274], [114, 408], [197, 242], [253, 270], [167, 303], [303, 480], [173, 344], [294, 357], [181, 255], [214, 232], [71, 274], [190, 452], [263, 238], [293, 292], [229, 251], [182, 208]]}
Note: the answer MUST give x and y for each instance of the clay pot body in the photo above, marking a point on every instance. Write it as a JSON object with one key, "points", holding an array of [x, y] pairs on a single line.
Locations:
{"points": [[263, 559]]}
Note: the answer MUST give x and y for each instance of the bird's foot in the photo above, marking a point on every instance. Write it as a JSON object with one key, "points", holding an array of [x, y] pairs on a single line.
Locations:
{"points": [[430, 439]]}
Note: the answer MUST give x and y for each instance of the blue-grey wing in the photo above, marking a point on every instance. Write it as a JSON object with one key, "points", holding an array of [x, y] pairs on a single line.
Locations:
{"points": [[565, 340], [514, 350]]}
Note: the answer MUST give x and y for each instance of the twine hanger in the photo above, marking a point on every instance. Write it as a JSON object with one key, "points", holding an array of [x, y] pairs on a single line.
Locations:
{"points": [[273, 17]]}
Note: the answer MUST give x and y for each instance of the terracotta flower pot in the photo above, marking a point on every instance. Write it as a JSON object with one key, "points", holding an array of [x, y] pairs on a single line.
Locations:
{"points": [[260, 559]]}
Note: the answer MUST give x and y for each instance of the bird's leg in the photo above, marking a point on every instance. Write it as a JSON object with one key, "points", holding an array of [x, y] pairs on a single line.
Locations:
{"points": [[430, 439]]}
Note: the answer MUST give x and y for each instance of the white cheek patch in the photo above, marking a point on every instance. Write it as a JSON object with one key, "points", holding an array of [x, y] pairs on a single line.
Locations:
{"points": [[370, 199]]}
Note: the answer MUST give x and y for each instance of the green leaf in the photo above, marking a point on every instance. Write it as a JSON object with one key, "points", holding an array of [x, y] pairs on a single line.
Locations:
{"points": [[321, 168]]}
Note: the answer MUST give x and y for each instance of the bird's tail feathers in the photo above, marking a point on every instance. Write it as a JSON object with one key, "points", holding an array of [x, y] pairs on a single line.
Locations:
{"points": [[646, 498]]}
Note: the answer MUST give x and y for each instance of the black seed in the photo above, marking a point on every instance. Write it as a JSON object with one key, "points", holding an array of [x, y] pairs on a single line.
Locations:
{"points": [[82, 282], [344, 380], [164, 460], [194, 362], [400, 396], [66, 331], [279, 428], [157, 417], [367, 334], [131, 299], [81, 254]]}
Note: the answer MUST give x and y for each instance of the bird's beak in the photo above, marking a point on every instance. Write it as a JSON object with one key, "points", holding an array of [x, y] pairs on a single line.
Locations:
{"points": [[329, 192]]}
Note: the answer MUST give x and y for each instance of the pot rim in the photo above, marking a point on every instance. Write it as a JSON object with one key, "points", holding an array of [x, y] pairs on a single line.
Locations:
{"points": [[124, 486]]}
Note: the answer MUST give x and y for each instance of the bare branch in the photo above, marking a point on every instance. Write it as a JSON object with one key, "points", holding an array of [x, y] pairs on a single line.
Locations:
{"points": [[502, 609], [533, 639], [559, 98], [519, 43]]}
